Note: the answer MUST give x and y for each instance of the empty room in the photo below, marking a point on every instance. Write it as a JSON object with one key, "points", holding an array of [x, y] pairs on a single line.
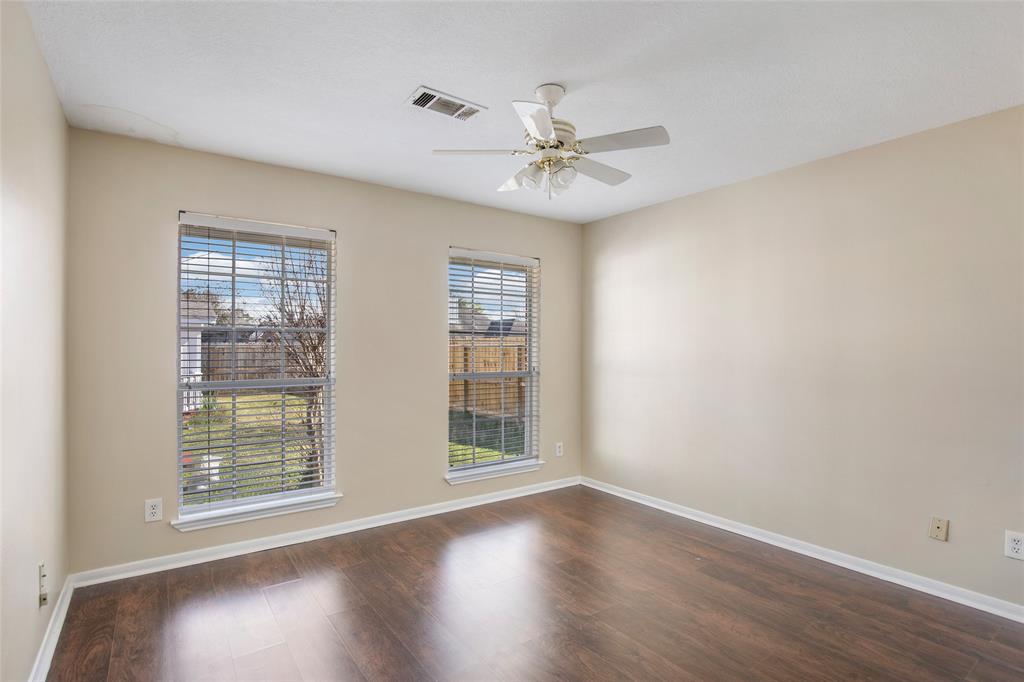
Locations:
{"points": [[511, 341]]}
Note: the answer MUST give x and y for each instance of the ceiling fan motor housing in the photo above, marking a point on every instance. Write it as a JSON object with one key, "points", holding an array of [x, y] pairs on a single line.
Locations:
{"points": [[565, 132]]}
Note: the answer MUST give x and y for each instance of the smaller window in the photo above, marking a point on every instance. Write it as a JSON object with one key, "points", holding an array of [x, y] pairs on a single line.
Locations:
{"points": [[493, 361]]}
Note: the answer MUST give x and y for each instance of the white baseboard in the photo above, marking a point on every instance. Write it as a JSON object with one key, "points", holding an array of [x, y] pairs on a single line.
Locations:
{"points": [[198, 556], [982, 602], [41, 666]]}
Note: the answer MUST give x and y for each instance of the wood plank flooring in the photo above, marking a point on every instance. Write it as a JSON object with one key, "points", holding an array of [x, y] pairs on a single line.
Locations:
{"points": [[572, 584]]}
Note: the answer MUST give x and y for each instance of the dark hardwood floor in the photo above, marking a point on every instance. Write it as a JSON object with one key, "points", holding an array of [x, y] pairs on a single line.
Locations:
{"points": [[570, 584]]}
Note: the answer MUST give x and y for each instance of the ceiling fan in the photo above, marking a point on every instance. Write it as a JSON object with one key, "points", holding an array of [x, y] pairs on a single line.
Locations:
{"points": [[560, 155]]}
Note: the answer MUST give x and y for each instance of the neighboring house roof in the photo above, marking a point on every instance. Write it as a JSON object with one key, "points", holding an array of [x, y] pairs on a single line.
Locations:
{"points": [[508, 327], [240, 335], [476, 322], [473, 319]]}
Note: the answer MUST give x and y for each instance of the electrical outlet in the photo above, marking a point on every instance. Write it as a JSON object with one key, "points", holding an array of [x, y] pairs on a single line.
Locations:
{"points": [[1014, 545], [559, 449], [939, 530], [154, 510], [44, 596]]}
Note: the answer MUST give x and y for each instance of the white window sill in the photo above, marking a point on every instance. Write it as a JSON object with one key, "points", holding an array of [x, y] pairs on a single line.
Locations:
{"points": [[493, 471], [256, 510]]}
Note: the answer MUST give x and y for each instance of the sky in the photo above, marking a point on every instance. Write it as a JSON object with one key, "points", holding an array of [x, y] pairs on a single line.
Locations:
{"points": [[498, 293]]}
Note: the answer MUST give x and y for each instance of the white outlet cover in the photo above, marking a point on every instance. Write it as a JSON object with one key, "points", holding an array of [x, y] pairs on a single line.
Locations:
{"points": [[559, 449], [1014, 545], [154, 510]]}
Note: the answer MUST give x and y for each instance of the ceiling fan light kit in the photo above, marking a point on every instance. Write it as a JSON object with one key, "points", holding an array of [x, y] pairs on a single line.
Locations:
{"points": [[561, 157]]}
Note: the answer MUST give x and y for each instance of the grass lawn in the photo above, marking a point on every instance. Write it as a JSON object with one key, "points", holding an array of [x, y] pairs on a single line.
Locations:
{"points": [[272, 460], [489, 433], [457, 451]]}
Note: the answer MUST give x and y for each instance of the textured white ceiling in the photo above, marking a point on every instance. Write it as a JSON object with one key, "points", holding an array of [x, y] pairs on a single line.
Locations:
{"points": [[744, 89]]}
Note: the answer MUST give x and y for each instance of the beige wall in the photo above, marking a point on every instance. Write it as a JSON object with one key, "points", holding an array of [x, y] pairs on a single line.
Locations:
{"points": [[33, 162], [392, 336], [831, 352]]}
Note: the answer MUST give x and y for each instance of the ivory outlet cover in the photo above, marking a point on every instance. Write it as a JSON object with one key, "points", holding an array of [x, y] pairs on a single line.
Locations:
{"points": [[939, 529]]}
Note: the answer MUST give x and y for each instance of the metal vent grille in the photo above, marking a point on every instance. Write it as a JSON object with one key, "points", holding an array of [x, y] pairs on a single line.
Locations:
{"points": [[443, 103], [423, 100], [446, 106]]}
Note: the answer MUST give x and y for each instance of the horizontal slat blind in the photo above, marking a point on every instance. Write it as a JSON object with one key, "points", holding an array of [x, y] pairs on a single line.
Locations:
{"points": [[256, 365], [493, 362]]}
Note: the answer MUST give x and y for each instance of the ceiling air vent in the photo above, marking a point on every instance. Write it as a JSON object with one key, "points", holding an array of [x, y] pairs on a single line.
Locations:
{"points": [[443, 103], [424, 99]]}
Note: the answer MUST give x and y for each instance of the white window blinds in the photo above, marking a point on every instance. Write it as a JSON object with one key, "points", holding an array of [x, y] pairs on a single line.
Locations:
{"points": [[493, 363], [256, 364]]}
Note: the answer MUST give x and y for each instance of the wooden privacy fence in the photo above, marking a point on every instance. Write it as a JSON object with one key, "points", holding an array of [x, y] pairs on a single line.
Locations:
{"points": [[492, 397], [485, 396], [254, 361]]}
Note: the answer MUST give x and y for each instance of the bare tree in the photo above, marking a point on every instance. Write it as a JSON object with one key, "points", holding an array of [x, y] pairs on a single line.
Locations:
{"points": [[298, 305]]}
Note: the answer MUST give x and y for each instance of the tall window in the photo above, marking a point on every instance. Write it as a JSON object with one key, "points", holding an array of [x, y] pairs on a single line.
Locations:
{"points": [[493, 368], [256, 370]]}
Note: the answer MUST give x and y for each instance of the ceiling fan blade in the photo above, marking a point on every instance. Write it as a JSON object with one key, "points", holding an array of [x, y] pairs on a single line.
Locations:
{"points": [[629, 139], [599, 171], [536, 119], [501, 152], [515, 182]]}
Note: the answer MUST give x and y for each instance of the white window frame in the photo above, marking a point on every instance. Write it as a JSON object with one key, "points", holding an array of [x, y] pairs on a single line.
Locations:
{"points": [[531, 460], [272, 504]]}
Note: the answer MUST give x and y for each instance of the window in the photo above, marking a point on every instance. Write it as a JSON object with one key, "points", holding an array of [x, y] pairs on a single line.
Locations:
{"points": [[256, 369], [493, 370]]}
